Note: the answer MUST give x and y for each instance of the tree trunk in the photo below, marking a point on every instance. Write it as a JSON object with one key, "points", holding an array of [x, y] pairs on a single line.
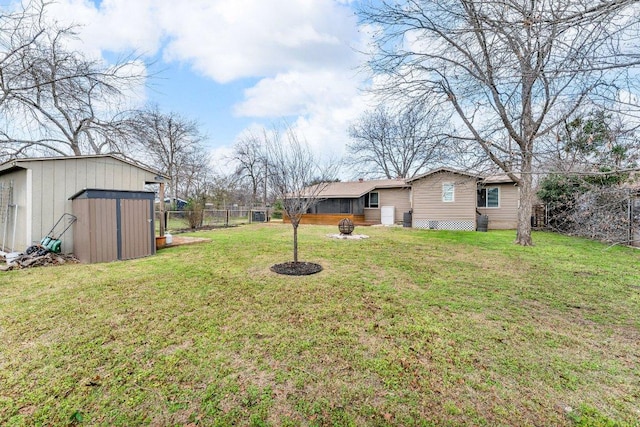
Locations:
{"points": [[295, 241], [523, 232]]}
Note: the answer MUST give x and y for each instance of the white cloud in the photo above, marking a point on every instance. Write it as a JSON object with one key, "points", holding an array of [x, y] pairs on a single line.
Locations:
{"points": [[303, 52], [115, 26], [228, 40], [296, 93]]}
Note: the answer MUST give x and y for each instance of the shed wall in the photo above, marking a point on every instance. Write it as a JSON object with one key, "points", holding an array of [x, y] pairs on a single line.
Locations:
{"points": [[137, 238], [8, 220], [54, 181], [111, 226]]}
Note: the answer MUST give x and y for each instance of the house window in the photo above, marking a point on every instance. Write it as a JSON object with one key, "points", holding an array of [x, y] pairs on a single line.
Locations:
{"points": [[447, 192], [371, 200], [489, 197]]}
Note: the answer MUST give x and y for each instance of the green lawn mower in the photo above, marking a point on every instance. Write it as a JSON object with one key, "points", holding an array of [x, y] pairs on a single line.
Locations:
{"points": [[51, 241]]}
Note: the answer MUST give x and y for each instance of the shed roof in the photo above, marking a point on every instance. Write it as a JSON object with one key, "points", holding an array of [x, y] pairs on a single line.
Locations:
{"points": [[101, 193], [22, 163]]}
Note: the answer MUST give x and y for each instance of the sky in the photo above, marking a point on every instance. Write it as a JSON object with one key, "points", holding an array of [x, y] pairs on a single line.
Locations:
{"points": [[237, 65]]}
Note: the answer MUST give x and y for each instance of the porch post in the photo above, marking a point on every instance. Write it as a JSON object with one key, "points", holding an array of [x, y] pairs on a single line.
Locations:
{"points": [[161, 195]]}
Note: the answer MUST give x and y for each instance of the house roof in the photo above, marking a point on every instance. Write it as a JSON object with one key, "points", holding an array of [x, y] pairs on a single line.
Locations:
{"points": [[22, 163], [444, 169], [355, 189], [490, 179], [497, 179]]}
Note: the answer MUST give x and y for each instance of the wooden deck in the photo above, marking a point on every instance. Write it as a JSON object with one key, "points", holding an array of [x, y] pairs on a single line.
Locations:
{"points": [[331, 219]]}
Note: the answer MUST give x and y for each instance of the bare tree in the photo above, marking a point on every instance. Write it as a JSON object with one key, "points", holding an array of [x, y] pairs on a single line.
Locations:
{"points": [[56, 101], [249, 153], [169, 143], [396, 143], [511, 70], [195, 177], [293, 168]]}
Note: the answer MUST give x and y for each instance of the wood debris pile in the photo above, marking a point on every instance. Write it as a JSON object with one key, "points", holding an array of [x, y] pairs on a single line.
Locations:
{"points": [[36, 259]]}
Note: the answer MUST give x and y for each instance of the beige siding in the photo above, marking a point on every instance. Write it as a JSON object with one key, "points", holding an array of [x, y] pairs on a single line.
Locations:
{"points": [[54, 181], [429, 208], [372, 215], [506, 215], [397, 197]]}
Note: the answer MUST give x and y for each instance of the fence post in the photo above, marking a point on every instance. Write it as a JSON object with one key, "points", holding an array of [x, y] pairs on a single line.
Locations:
{"points": [[226, 218], [630, 219]]}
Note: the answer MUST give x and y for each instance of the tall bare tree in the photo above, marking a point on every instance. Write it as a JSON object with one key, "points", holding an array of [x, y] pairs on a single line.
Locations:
{"points": [[293, 168], [511, 70], [169, 143], [249, 154], [396, 144], [56, 101]]}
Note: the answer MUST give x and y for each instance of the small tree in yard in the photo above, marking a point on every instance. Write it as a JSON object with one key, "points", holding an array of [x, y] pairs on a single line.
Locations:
{"points": [[293, 167]]}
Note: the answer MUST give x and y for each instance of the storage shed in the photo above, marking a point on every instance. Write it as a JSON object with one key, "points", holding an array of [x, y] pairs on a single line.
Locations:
{"points": [[113, 225], [35, 193]]}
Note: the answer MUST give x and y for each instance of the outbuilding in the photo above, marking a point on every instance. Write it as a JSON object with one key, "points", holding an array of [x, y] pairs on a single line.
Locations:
{"points": [[35, 193], [113, 225]]}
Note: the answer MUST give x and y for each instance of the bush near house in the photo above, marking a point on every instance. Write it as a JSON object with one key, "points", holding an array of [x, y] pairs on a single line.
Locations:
{"points": [[408, 327], [598, 207]]}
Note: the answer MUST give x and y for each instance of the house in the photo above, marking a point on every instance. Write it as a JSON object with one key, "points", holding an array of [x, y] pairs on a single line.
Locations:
{"points": [[499, 199], [174, 203], [440, 199], [361, 201], [444, 199], [35, 193], [447, 199]]}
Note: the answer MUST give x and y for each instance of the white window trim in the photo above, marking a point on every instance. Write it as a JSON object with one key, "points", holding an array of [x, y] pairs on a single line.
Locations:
{"points": [[369, 200], [486, 189], [453, 192]]}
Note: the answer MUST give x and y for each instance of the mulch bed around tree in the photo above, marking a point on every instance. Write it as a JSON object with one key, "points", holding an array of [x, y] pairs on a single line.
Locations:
{"points": [[299, 268]]}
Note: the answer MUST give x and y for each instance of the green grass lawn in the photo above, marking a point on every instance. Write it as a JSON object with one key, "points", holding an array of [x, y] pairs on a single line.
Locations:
{"points": [[407, 327]]}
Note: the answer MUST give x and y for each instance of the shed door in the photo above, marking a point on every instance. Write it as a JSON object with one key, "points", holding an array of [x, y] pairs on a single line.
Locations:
{"points": [[136, 229]]}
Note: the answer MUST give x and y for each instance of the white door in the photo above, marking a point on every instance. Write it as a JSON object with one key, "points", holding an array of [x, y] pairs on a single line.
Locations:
{"points": [[387, 215]]}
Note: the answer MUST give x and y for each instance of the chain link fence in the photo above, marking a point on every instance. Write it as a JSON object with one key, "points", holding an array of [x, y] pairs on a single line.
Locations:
{"points": [[209, 218], [609, 214]]}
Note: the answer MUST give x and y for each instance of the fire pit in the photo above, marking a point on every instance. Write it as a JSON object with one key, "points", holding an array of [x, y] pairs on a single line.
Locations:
{"points": [[346, 226]]}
